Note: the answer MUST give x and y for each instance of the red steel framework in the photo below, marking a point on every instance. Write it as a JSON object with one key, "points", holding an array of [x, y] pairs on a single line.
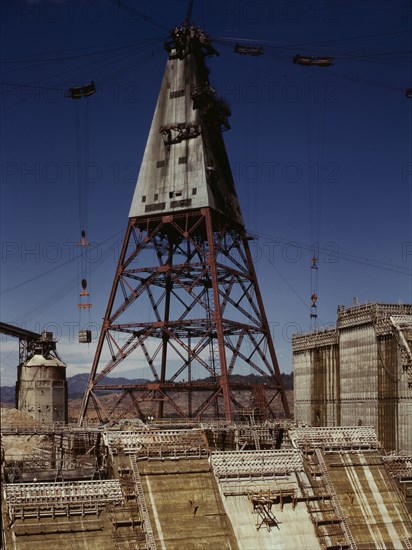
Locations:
{"points": [[207, 311]]}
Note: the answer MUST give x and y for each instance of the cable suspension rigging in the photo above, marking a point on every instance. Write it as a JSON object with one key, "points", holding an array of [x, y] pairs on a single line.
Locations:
{"points": [[82, 139]]}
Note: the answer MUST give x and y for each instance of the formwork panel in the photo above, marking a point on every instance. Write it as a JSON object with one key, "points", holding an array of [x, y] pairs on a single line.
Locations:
{"points": [[316, 372], [325, 388], [302, 372], [404, 442], [359, 377]]}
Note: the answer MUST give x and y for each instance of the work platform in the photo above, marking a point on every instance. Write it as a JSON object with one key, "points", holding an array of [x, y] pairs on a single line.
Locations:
{"points": [[335, 438], [25, 500], [158, 444]]}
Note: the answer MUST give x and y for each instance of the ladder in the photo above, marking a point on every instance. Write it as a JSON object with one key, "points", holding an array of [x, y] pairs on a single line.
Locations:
{"points": [[335, 500], [150, 540], [214, 352], [402, 323], [254, 429]]}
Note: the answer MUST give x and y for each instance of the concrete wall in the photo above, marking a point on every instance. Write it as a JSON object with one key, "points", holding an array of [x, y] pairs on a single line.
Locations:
{"points": [[317, 381], [302, 372], [359, 376]]}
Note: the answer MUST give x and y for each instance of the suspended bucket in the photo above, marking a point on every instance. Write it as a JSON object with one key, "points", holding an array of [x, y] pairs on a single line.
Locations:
{"points": [[82, 91], [85, 336]]}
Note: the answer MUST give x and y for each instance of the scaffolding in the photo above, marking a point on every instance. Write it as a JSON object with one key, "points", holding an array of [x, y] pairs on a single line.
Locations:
{"points": [[240, 436], [150, 540], [335, 500], [129, 529], [402, 325], [400, 468], [159, 444], [270, 479], [36, 500], [249, 464], [262, 504], [335, 438], [311, 340], [317, 492], [371, 313]]}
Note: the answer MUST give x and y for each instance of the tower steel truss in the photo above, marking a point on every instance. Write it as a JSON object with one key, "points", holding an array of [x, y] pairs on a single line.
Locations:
{"points": [[208, 319]]}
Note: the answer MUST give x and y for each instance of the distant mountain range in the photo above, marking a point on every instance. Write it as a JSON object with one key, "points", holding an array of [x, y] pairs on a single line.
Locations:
{"points": [[77, 384]]}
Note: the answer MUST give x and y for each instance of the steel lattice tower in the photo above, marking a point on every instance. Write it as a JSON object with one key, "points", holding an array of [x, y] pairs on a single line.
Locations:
{"points": [[186, 260]]}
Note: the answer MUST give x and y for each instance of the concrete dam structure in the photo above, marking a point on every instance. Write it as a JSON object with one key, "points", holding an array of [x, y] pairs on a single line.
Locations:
{"points": [[359, 373], [205, 486]]}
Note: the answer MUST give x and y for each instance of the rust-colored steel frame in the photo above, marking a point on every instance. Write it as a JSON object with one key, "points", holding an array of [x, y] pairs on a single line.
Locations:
{"points": [[203, 264]]}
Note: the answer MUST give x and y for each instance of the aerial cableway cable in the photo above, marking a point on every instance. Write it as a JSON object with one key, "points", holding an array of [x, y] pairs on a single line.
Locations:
{"points": [[33, 86], [84, 52], [272, 49], [39, 61], [57, 267], [118, 55], [68, 287], [270, 44], [121, 71], [279, 54], [278, 51], [97, 67], [100, 66], [58, 294], [369, 55], [142, 15], [361, 260], [366, 81], [327, 43]]}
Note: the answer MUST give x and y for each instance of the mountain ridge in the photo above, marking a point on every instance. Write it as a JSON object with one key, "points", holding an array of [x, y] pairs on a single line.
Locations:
{"points": [[77, 384]]}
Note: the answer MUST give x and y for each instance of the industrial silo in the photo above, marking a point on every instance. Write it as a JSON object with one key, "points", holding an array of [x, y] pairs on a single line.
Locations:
{"points": [[41, 387]]}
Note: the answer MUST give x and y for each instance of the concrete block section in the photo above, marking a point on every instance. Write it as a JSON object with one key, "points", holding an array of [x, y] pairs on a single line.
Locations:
{"points": [[283, 521], [184, 505], [375, 511]]}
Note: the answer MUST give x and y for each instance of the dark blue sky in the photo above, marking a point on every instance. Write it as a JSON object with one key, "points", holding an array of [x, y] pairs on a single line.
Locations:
{"points": [[318, 154]]}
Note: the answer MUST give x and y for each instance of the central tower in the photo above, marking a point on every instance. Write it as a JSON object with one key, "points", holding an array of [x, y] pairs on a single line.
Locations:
{"points": [[185, 301]]}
